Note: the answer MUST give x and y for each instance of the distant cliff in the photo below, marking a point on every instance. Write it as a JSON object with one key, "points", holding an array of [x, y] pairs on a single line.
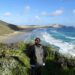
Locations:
{"points": [[43, 26], [57, 26], [6, 28]]}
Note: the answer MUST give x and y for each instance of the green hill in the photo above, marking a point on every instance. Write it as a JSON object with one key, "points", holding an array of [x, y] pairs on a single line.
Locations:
{"points": [[6, 28]]}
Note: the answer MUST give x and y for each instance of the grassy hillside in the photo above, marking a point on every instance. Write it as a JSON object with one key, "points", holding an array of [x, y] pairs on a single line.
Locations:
{"points": [[14, 61], [6, 28]]}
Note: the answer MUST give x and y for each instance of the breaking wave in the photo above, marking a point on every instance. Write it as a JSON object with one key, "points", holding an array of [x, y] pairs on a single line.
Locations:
{"points": [[65, 48]]}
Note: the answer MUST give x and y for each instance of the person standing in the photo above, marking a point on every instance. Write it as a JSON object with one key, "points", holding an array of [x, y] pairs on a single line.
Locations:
{"points": [[37, 54]]}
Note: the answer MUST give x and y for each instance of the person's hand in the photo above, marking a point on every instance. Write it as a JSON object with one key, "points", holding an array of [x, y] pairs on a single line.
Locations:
{"points": [[43, 64]]}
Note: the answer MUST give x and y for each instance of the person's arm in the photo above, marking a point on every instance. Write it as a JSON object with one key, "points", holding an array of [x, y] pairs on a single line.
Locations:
{"points": [[45, 51], [45, 54], [28, 52]]}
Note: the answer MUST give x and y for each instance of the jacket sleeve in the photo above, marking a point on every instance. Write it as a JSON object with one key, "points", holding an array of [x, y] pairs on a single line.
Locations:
{"points": [[28, 52], [45, 52]]}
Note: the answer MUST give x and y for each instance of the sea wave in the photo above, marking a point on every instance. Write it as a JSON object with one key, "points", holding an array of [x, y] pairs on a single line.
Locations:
{"points": [[61, 34], [66, 48]]}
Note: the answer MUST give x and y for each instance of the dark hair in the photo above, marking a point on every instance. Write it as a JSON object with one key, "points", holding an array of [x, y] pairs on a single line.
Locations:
{"points": [[37, 39]]}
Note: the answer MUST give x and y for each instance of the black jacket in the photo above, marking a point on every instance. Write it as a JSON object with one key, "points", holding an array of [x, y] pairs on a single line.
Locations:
{"points": [[32, 56]]}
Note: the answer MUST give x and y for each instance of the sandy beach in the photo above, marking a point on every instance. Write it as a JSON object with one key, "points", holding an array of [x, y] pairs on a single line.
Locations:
{"points": [[18, 35], [15, 36]]}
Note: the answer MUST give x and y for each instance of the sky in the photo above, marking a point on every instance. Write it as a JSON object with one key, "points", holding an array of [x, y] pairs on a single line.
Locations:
{"points": [[38, 12]]}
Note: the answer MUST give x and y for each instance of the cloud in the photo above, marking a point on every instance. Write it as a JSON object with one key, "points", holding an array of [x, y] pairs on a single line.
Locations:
{"points": [[27, 8], [74, 11], [57, 12], [44, 13], [7, 14], [38, 18]]}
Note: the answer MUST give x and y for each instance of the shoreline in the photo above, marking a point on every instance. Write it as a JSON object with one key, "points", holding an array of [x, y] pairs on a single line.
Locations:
{"points": [[13, 37], [26, 30]]}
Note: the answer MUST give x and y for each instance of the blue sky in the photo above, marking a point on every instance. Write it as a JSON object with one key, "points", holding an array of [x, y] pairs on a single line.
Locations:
{"points": [[38, 12]]}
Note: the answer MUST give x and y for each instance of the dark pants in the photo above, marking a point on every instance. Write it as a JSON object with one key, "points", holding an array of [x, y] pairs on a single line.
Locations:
{"points": [[36, 70]]}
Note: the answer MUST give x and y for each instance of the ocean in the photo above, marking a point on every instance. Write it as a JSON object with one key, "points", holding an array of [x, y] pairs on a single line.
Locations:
{"points": [[63, 38]]}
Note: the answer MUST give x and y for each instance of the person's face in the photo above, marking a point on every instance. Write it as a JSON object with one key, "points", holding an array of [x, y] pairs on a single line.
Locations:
{"points": [[37, 41]]}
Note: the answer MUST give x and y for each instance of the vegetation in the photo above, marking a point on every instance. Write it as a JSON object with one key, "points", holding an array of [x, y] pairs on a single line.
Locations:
{"points": [[14, 60]]}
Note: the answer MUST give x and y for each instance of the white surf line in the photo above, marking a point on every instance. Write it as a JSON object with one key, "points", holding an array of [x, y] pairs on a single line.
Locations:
{"points": [[65, 48]]}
